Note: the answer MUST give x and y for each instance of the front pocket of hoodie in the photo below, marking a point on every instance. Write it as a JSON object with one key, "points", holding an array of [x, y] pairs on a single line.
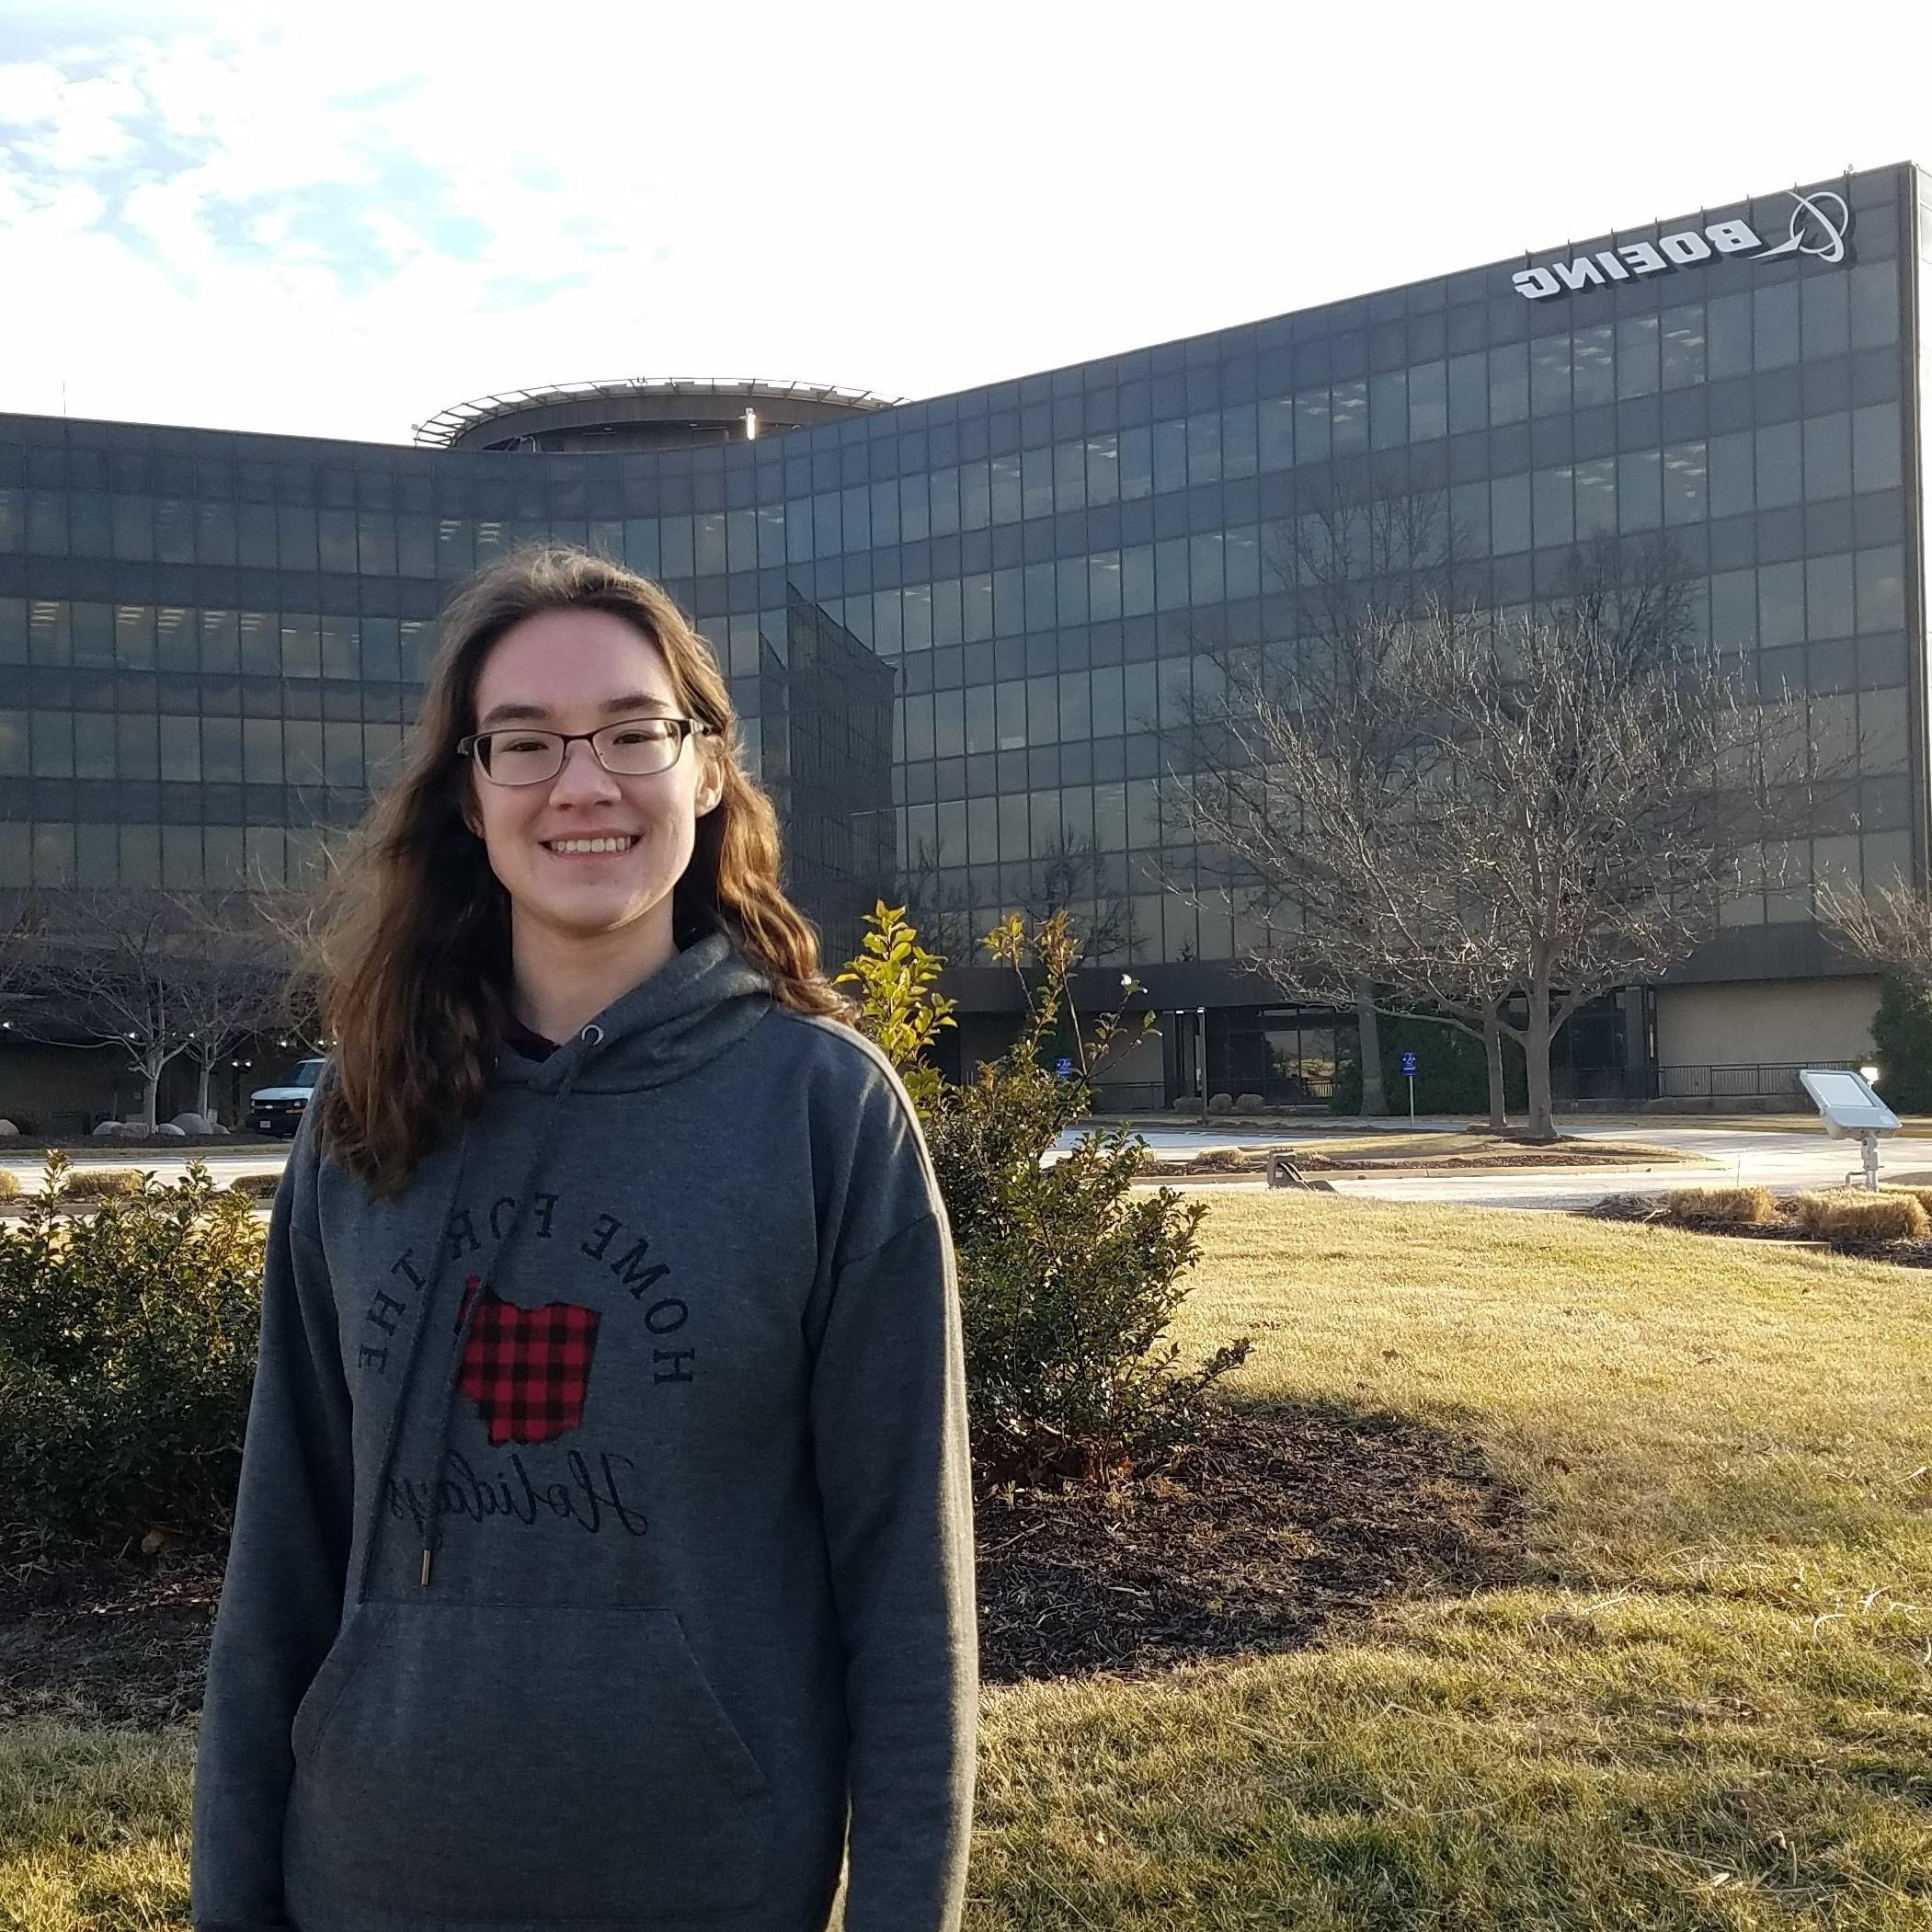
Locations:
{"points": [[512, 1761]]}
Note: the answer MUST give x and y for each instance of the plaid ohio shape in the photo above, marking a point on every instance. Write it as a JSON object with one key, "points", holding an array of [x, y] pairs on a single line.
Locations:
{"points": [[526, 1370]]}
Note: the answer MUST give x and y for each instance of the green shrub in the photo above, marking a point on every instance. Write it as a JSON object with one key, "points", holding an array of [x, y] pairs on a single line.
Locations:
{"points": [[1721, 1206], [1902, 1038], [1069, 1277], [100, 1183], [1848, 1213], [127, 1350], [1452, 1075]]}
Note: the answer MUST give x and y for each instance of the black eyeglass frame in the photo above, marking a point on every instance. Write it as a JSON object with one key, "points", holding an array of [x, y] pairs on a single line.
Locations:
{"points": [[686, 728]]}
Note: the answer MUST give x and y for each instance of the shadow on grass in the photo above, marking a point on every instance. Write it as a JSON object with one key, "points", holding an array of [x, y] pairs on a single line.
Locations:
{"points": [[1285, 1518]]}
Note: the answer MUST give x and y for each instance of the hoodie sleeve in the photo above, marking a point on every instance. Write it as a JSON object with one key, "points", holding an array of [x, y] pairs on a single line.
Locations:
{"points": [[288, 1558], [889, 1414]]}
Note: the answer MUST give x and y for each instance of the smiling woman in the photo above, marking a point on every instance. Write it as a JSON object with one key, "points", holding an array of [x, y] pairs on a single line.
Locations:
{"points": [[609, 1312]]}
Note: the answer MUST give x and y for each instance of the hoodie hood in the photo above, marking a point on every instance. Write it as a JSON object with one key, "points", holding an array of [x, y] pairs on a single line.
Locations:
{"points": [[692, 1009]]}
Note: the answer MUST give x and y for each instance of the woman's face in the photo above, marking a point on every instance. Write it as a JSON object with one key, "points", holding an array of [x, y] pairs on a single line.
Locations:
{"points": [[577, 671]]}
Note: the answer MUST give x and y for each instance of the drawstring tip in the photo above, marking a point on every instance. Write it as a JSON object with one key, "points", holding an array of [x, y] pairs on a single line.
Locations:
{"points": [[426, 1569]]}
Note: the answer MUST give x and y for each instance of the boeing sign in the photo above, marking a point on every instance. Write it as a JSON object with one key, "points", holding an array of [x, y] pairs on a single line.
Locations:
{"points": [[1818, 226]]}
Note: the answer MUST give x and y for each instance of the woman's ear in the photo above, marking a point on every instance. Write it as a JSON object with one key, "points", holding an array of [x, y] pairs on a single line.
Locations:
{"points": [[710, 788]]}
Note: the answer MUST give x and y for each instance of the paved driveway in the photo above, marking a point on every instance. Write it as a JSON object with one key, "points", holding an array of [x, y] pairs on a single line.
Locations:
{"points": [[223, 1165], [1743, 1157]]}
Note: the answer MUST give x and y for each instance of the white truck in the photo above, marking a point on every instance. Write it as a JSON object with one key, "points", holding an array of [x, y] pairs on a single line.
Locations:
{"points": [[279, 1109]]}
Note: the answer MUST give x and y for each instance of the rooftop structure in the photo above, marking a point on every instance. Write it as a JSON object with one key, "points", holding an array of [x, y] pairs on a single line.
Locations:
{"points": [[641, 412]]}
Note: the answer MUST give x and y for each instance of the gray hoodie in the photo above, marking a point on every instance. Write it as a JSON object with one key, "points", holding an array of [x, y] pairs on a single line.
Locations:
{"points": [[603, 1554]]}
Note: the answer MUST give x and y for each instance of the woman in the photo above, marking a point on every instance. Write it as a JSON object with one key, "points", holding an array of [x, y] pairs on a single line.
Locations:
{"points": [[603, 1553]]}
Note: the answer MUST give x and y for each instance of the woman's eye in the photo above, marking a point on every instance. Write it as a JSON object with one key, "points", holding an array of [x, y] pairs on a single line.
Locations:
{"points": [[511, 746]]}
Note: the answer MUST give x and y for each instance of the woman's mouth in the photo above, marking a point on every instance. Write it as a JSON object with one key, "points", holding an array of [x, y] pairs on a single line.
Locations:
{"points": [[586, 848]]}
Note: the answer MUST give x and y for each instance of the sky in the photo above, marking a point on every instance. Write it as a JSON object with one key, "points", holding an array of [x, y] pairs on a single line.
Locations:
{"points": [[337, 219]]}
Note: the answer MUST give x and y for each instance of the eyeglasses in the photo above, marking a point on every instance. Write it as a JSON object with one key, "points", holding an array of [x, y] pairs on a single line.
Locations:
{"points": [[634, 748]]}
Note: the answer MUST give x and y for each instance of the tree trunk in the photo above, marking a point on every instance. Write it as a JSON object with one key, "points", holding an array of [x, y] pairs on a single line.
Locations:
{"points": [[150, 1092], [203, 1076], [1375, 1101], [1535, 1050], [1492, 1057]]}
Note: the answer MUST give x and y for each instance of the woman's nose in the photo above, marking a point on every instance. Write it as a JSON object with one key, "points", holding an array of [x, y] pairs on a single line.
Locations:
{"points": [[582, 776]]}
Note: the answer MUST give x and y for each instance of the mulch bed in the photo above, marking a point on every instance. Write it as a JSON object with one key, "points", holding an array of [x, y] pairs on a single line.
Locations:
{"points": [[1648, 1210], [1275, 1526], [103, 1638]]}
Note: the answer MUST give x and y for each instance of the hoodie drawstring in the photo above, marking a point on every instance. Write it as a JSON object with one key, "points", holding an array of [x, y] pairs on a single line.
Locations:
{"points": [[593, 1037]]}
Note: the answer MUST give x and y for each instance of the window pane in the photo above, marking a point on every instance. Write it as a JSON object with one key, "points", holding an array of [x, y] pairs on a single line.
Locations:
{"points": [[1780, 471], [1682, 346], [1637, 355], [1509, 382], [1827, 457], [1594, 369], [1640, 490], [1774, 326]]}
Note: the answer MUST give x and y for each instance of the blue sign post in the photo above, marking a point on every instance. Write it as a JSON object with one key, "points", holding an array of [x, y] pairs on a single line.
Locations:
{"points": [[1410, 1063]]}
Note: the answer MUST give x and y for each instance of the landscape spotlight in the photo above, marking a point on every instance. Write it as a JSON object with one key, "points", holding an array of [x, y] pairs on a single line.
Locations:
{"points": [[1871, 1074]]}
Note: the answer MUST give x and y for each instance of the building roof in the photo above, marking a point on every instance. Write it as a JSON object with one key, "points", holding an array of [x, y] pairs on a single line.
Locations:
{"points": [[461, 421]]}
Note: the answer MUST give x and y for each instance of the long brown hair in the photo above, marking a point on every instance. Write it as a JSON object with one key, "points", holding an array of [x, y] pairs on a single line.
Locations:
{"points": [[411, 950]]}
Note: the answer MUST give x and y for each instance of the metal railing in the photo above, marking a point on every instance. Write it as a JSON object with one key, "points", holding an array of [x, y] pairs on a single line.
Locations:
{"points": [[1775, 1079]]}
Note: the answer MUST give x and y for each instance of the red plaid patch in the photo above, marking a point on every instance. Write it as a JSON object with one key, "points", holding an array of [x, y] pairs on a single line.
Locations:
{"points": [[526, 1370]]}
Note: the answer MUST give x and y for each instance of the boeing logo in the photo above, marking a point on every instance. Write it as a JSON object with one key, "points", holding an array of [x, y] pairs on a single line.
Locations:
{"points": [[1819, 226]]}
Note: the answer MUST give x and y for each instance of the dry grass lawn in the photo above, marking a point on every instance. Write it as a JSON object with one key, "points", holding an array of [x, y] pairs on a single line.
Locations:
{"points": [[1710, 1706]]}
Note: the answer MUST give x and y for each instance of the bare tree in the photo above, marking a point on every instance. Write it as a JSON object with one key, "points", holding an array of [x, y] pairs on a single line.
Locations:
{"points": [[116, 964], [236, 983], [1464, 809], [1317, 815], [1889, 927], [23, 931], [941, 914], [1071, 875], [1352, 560]]}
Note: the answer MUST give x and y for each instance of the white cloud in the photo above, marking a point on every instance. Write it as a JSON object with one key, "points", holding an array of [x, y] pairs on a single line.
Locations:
{"points": [[322, 220]]}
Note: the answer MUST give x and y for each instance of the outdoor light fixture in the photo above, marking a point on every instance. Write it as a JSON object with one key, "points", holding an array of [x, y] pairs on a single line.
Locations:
{"points": [[1871, 1074], [750, 425]]}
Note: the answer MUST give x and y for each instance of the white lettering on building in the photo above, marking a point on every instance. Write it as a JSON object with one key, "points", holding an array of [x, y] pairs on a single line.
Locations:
{"points": [[1819, 226]]}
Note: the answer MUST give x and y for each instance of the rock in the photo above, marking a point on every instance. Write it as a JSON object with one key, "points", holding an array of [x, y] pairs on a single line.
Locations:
{"points": [[1247, 1104], [1221, 1103], [167, 1130], [9, 1131], [191, 1123], [108, 1130]]}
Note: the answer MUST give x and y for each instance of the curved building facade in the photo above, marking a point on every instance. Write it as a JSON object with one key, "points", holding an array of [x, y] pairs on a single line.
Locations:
{"points": [[958, 627]]}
